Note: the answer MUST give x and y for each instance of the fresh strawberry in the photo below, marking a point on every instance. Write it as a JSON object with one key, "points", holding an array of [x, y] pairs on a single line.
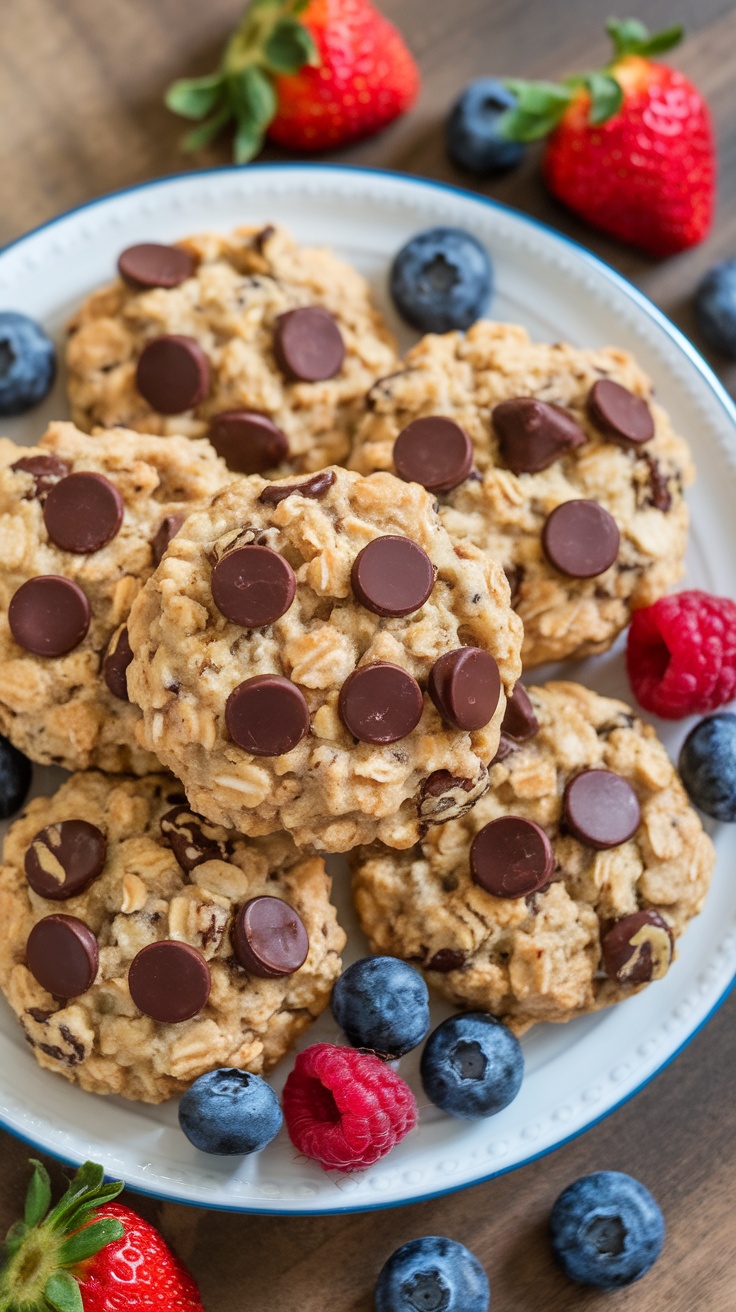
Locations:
{"points": [[309, 74], [89, 1254], [630, 146]]}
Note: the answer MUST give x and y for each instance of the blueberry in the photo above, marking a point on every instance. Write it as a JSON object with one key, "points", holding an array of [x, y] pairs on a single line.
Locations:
{"points": [[472, 1066], [715, 307], [15, 778], [432, 1275], [472, 129], [230, 1112], [707, 766], [442, 279], [606, 1230], [382, 1004], [27, 363]]}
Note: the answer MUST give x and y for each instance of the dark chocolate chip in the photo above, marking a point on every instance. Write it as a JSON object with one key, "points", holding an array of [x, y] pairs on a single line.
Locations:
{"points": [[269, 938], [392, 576], [167, 529], [465, 686], [533, 434], [83, 512], [151, 265], [441, 781], [62, 955], [315, 487], [445, 960], [49, 615], [511, 857], [45, 471], [444, 796], [64, 858], [193, 839], [380, 703], [253, 586], [267, 715], [619, 414], [169, 981], [659, 489], [519, 721], [435, 452], [248, 441], [308, 344], [580, 539], [601, 808], [637, 948], [115, 664], [173, 374]]}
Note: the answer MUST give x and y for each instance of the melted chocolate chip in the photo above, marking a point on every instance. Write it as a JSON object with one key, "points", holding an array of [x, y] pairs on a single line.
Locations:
{"points": [[533, 434], [315, 487], [308, 344], [168, 529], [267, 715], [173, 374], [443, 796], [445, 960], [150, 264], [64, 858], [380, 703], [659, 489], [62, 955], [49, 615], [269, 938], [619, 414], [601, 809], [637, 948], [248, 441], [514, 576], [392, 576], [253, 586], [511, 857], [45, 471], [580, 539], [169, 981], [115, 664], [465, 686], [83, 512], [192, 838], [435, 452]]}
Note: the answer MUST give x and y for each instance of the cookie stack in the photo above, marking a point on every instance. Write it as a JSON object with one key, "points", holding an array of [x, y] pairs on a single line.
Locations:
{"points": [[269, 599]]}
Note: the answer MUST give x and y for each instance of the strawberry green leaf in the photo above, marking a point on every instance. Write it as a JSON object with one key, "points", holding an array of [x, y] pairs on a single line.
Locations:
{"points": [[85, 1243], [13, 1240], [662, 41], [252, 96], [515, 125], [87, 1210], [62, 1293], [248, 140], [298, 7], [83, 1186], [289, 46], [539, 97], [38, 1196], [195, 97], [631, 37], [206, 132], [606, 97]]}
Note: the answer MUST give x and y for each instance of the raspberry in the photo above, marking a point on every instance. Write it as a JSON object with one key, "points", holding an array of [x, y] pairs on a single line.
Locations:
{"points": [[346, 1109], [681, 654]]}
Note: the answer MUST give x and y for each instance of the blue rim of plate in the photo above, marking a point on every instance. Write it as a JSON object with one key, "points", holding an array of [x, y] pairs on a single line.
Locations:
{"points": [[716, 386]]}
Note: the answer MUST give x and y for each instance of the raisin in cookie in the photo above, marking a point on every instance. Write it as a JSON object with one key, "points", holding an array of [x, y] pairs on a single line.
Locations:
{"points": [[566, 887], [141, 946], [264, 346], [552, 459], [320, 657], [83, 522]]}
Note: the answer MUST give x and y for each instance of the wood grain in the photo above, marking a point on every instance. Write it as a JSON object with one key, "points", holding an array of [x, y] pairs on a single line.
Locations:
{"points": [[80, 106]]}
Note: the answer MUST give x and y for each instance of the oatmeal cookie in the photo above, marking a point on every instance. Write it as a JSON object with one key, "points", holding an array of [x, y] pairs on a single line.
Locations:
{"points": [[264, 346], [511, 432], [141, 946], [565, 888], [83, 522], [320, 657]]}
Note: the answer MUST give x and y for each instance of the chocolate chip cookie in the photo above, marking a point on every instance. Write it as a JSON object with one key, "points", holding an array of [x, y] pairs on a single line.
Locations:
{"points": [[319, 656], [554, 460], [264, 346], [565, 888], [83, 523], [141, 946]]}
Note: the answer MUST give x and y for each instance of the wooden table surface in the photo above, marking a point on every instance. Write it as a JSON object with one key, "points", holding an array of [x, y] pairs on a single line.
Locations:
{"points": [[80, 106]]}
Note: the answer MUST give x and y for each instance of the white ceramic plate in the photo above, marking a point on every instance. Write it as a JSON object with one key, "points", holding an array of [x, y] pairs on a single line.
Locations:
{"points": [[576, 1073]]}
